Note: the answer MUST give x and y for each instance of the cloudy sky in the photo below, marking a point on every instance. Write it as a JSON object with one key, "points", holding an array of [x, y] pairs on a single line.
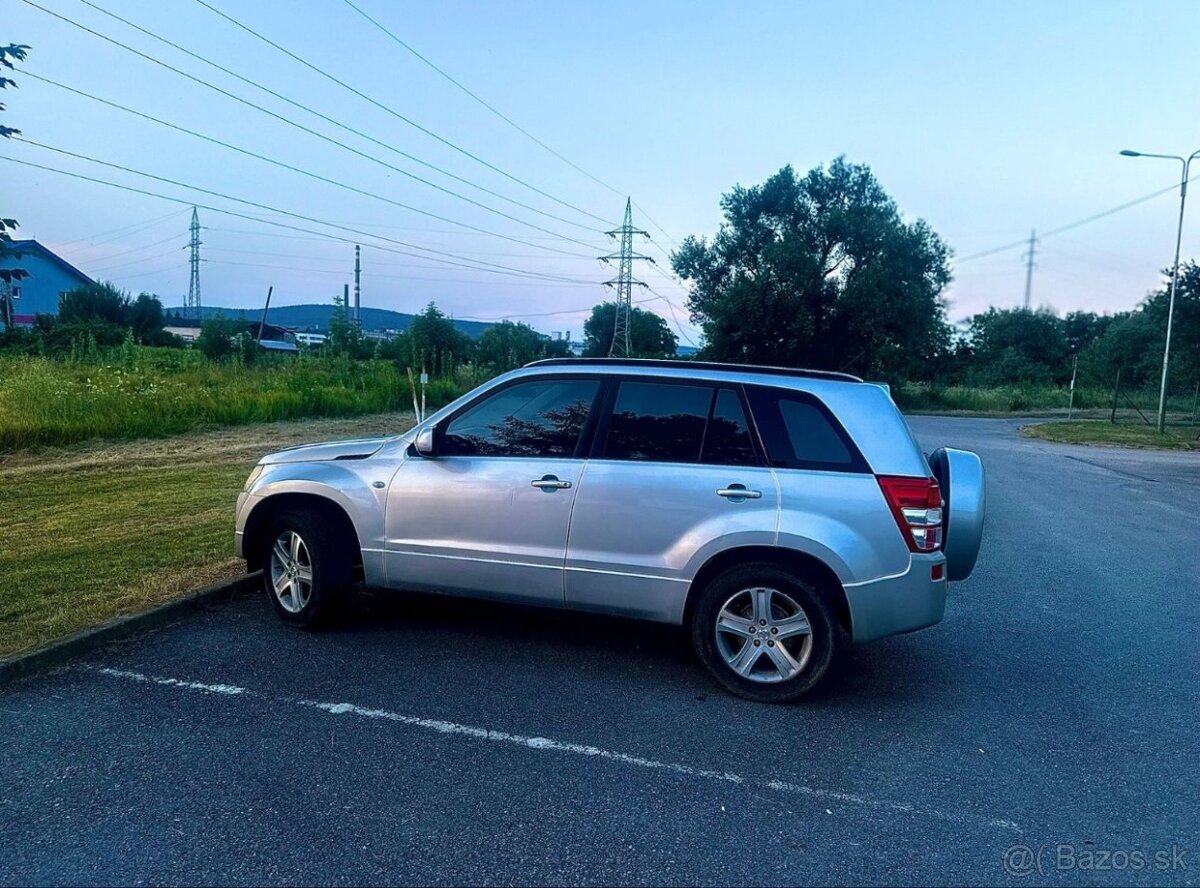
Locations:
{"points": [[987, 120]]}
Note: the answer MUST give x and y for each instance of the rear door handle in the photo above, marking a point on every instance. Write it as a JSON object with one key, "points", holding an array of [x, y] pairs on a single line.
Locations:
{"points": [[550, 482], [738, 492]]}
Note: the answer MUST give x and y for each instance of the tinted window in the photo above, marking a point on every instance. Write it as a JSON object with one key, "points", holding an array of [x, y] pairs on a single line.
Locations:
{"points": [[798, 433], [542, 418], [658, 421], [727, 439]]}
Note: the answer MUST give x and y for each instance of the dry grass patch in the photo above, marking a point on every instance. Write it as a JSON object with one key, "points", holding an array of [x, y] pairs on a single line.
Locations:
{"points": [[1100, 433]]}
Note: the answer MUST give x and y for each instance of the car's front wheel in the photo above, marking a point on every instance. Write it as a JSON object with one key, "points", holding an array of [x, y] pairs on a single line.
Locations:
{"points": [[764, 633], [306, 570]]}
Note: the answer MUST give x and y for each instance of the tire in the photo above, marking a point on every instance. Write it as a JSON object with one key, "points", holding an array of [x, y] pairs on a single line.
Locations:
{"points": [[309, 594], [787, 662]]}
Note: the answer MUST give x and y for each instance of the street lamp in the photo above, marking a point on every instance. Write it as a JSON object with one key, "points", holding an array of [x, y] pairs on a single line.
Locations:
{"points": [[1183, 181]]}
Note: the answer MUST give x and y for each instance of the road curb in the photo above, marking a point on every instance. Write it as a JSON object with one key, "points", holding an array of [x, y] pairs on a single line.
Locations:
{"points": [[58, 652]]}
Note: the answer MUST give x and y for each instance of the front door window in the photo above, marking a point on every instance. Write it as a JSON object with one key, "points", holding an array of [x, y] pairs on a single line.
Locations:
{"points": [[533, 419]]}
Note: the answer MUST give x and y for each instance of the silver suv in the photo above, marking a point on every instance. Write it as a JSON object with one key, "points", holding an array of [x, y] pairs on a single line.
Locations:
{"points": [[777, 514]]}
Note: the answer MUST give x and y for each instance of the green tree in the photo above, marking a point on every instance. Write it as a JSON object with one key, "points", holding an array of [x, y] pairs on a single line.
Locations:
{"points": [[437, 344], [1133, 342], [94, 303], [345, 336], [649, 335], [506, 346], [1018, 345], [145, 317], [1083, 328], [819, 271], [9, 275], [218, 338]]}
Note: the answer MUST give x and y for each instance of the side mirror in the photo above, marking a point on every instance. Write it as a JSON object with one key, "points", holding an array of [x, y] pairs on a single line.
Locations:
{"points": [[425, 445]]}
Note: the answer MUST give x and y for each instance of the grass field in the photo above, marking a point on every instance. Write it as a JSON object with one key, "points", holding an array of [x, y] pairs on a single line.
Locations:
{"points": [[94, 531], [1027, 398], [1099, 432], [152, 392]]}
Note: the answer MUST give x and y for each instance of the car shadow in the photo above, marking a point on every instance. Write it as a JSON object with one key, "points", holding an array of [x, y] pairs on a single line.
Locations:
{"points": [[888, 673]]}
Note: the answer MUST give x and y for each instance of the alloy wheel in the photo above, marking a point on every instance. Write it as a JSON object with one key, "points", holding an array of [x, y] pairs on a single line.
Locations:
{"points": [[291, 571], [764, 635]]}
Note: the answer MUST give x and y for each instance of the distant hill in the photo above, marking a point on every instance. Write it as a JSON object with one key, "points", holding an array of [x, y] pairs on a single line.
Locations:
{"points": [[315, 317]]}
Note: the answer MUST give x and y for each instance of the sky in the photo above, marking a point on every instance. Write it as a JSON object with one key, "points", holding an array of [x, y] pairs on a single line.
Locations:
{"points": [[985, 119]]}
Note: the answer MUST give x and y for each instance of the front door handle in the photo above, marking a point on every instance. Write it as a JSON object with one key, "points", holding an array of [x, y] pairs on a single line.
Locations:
{"points": [[737, 493], [550, 482]]}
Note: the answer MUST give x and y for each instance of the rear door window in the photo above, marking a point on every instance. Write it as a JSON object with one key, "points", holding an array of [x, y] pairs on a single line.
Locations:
{"points": [[799, 432], [678, 422], [727, 440], [660, 422]]}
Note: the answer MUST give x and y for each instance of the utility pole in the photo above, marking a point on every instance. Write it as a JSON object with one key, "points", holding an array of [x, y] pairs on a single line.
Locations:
{"points": [[1029, 266], [357, 288], [193, 298], [623, 282]]}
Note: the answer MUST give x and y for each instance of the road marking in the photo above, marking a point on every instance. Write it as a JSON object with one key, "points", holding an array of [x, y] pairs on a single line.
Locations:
{"points": [[547, 744], [174, 682]]}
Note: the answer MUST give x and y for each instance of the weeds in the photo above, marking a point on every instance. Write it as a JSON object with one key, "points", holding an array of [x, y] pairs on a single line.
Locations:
{"points": [[140, 392]]}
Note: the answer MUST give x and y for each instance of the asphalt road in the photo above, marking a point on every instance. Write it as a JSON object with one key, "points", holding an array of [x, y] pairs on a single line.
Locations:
{"points": [[437, 741]]}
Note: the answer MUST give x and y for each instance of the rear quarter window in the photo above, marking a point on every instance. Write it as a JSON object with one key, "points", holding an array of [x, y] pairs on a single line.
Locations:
{"points": [[799, 432]]}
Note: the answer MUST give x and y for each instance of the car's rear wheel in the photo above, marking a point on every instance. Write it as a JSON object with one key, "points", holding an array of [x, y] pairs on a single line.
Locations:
{"points": [[307, 570], [765, 633]]}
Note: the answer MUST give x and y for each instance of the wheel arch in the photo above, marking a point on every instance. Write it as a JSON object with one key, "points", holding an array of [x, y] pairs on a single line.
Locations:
{"points": [[804, 565], [278, 504]]}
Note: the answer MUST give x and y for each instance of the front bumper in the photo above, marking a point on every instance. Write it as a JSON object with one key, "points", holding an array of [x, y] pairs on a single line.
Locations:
{"points": [[904, 603], [245, 502]]}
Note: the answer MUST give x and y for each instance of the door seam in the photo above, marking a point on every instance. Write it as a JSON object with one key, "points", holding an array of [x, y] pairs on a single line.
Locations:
{"points": [[570, 521]]}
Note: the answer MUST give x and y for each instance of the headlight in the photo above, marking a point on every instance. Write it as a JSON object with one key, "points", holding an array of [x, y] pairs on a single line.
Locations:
{"points": [[258, 470]]}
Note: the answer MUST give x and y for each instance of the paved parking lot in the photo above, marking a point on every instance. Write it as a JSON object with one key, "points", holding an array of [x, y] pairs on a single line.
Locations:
{"points": [[443, 741]]}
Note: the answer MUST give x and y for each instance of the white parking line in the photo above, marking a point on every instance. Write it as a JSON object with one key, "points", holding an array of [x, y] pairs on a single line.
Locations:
{"points": [[548, 744]]}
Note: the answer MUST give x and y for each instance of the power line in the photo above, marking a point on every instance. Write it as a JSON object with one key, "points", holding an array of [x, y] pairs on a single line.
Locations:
{"points": [[309, 110], [138, 261], [1071, 225], [542, 314], [133, 228], [299, 256], [157, 243], [395, 113], [126, 277], [411, 246], [295, 169], [512, 123], [485, 104], [674, 317], [641, 210], [310, 131], [399, 277], [499, 270]]}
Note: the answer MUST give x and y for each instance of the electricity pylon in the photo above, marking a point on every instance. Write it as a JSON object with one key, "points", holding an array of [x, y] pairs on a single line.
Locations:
{"points": [[193, 298], [1029, 267], [624, 283]]}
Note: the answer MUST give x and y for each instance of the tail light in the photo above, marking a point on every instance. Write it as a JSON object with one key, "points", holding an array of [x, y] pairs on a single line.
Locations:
{"points": [[916, 504]]}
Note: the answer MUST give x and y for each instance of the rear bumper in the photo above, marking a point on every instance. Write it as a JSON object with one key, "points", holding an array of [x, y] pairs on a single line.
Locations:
{"points": [[903, 603]]}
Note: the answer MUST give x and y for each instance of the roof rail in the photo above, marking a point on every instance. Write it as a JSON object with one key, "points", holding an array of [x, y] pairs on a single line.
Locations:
{"points": [[651, 363]]}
